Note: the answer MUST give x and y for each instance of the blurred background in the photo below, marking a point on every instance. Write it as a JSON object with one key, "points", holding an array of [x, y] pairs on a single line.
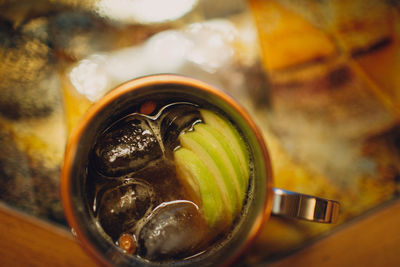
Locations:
{"points": [[320, 77]]}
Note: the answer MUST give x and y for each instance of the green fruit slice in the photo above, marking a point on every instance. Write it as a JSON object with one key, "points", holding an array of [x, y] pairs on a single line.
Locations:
{"points": [[199, 145], [232, 137], [199, 182], [231, 161]]}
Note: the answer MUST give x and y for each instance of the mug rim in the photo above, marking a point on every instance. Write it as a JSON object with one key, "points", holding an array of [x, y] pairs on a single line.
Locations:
{"points": [[135, 84]]}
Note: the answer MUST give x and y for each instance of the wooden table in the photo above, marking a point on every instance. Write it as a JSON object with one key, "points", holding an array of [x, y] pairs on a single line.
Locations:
{"points": [[370, 240]]}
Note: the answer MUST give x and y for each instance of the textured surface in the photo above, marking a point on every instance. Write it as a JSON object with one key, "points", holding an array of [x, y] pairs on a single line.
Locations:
{"points": [[321, 81]]}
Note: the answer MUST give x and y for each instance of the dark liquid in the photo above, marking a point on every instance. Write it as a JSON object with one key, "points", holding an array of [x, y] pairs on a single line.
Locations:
{"points": [[132, 186]]}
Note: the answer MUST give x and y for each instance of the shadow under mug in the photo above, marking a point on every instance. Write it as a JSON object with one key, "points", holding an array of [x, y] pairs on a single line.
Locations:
{"points": [[262, 201]]}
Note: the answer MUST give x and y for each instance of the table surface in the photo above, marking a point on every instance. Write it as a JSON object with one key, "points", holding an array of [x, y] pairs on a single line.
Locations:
{"points": [[370, 240], [360, 117]]}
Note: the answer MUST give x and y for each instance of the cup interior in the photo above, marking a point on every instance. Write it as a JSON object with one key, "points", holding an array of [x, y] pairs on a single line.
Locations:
{"points": [[125, 100]]}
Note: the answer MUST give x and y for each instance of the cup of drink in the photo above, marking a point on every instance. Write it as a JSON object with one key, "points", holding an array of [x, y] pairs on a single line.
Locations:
{"points": [[166, 169]]}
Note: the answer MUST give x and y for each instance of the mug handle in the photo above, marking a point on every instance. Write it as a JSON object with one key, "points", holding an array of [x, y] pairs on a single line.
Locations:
{"points": [[291, 204]]}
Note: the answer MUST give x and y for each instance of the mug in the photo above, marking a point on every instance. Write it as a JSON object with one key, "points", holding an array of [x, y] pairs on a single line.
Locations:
{"points": [[262, 198]]}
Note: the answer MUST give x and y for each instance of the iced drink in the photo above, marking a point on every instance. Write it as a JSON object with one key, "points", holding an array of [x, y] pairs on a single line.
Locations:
{"points": [[168, 181]]}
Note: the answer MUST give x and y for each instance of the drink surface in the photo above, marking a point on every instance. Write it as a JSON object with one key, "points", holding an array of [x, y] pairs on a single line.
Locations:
{"points": [[169, 181]]}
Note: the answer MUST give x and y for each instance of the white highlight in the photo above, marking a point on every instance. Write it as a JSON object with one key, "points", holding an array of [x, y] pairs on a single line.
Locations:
{"points": [[144, 11]]}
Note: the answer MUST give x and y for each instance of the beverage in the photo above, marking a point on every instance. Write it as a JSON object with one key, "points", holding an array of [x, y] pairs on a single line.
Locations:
{"points": [[169, 170], [168, 181]]}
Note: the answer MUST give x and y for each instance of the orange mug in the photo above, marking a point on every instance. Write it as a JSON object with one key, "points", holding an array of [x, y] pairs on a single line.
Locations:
{"points": [[262, 199]]}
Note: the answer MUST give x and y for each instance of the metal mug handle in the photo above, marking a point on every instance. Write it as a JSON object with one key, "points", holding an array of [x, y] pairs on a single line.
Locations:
{"points": [[291, 204]]}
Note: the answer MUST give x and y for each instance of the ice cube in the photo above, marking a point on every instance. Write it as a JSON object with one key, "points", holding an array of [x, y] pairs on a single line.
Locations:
{"points": [[127, 146], [175, 119], [174, 230], [122, 206]]}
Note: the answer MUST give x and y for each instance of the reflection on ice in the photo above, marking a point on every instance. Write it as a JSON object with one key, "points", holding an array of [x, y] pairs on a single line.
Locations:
{"points": [[174, 229], [122, 206], [175, 119], [127, 146]]}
